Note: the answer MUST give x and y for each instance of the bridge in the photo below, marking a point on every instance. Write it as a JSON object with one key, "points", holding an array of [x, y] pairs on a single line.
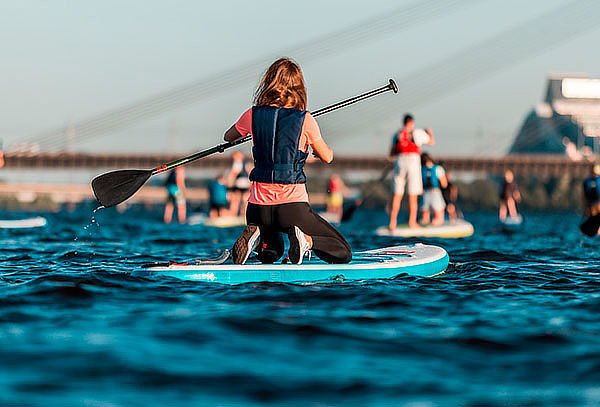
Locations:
{"points": [[544, 166]]}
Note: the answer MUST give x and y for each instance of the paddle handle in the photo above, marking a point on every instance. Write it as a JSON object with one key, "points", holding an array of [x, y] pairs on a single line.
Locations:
{"points": [[391, 86]]}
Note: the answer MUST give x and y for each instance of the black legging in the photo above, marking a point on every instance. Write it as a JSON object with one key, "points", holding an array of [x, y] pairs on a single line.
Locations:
{"points": [[273, 220]]}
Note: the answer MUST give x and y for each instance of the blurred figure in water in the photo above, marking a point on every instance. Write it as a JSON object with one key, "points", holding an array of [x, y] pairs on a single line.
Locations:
{"points": [[175, 186], [509, 196], [239, 184], [336, 190], [1, 155], [434, 178], [591, 192], [450, 193], [217, 190]]}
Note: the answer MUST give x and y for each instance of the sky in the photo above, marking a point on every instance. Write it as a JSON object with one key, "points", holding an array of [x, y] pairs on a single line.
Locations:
{"points": [[66, 61]]}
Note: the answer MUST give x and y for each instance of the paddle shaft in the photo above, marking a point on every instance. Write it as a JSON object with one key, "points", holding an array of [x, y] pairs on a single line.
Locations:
{"points": [[224, 146]]}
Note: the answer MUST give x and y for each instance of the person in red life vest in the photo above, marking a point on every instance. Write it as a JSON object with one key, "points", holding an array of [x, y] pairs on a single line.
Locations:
{"points": [[406, 149], [282, 132]]}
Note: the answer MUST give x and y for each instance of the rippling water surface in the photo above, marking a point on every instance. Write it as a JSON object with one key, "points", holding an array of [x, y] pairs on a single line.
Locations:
{"points": [[514, 322]]}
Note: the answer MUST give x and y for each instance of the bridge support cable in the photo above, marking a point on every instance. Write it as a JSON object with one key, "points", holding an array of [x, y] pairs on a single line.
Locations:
{"points": [[395, 20], [475, 63]]}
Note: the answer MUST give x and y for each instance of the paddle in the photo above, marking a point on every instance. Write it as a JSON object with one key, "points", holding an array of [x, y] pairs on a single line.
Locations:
{"points": [[115, 187], [349, 212], [591, 226]]}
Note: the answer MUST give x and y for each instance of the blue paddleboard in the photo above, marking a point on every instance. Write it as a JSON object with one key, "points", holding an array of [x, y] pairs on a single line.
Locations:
{"points": [[417, 260]]}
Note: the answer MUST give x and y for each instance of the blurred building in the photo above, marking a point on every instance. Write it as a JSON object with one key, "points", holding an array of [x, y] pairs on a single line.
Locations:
{"points": [[567, 122]]}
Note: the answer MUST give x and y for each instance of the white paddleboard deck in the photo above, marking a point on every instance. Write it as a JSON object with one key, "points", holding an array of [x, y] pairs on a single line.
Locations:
{"points": [[450, 230], [36, 222], [389, 262]]}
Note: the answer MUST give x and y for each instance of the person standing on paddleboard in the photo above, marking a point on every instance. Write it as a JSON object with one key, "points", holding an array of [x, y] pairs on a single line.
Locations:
{"points": [[175, 186], [239, 184], [282, 133], [591, 192], [217, 198], [406, 149], [509, 196]]}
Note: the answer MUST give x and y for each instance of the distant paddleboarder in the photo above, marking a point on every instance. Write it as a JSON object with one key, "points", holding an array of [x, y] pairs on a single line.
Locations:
{"points": [[239, 184], [217, 196], [282, 133], [591, 203], [591, 192], [509, 196], [175, 186], [406, 149], [450, 193], [434, 179], [336, 190]]}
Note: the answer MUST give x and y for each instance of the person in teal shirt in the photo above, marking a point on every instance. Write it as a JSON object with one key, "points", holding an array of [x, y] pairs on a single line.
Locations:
{"points": [[217, 190]]}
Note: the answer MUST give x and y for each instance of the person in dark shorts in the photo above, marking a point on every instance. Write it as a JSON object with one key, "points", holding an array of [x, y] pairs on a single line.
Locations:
{"points": [[509, 196], [239, 184], [282, 133], [450, 194]]}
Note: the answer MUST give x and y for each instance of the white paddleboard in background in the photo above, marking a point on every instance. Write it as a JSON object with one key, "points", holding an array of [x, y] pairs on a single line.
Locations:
{"points": [[449, 230], [388, 262], [36, 222], [219, 222], [512, 221]]}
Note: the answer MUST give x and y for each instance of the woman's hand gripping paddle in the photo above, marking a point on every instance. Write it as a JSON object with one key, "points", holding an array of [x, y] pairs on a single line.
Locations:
{"points": [[115, 187]]}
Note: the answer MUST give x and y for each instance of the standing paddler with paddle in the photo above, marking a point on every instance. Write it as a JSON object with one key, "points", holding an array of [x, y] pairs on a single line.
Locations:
{"points": [[282, 133], [406, 151]]}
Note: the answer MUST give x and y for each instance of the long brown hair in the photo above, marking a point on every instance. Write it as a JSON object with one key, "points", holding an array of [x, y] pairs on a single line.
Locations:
{"points": [[282, 85]]}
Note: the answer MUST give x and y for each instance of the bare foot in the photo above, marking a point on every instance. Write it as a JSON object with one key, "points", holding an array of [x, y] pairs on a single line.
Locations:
{"points": [[414, 226]]}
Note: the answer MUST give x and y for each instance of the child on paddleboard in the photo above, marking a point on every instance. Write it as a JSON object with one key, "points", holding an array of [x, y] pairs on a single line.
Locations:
{"points": [[282, 133]]}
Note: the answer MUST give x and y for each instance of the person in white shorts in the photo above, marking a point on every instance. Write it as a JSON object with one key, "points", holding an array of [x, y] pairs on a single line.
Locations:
{"points": [[434, 178], [406, 147]]}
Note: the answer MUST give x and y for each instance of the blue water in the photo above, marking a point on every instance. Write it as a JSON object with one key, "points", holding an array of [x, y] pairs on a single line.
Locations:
{"points": [[514, 322]]}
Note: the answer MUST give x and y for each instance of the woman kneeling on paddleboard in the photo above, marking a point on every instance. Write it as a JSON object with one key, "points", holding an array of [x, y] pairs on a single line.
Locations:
{"points": [[282, 131]]}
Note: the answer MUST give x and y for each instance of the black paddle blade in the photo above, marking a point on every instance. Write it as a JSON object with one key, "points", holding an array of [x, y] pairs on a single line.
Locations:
{"points": [[591, 226], [115, 187]]}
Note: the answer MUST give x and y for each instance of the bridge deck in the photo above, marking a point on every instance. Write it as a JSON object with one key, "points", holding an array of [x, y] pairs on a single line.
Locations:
{"points": [[539, 165]]}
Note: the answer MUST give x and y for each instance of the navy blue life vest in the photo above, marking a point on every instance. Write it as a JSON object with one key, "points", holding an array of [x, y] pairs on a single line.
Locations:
{"points": [[591, 189], [276, 133], [430, 178]]}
